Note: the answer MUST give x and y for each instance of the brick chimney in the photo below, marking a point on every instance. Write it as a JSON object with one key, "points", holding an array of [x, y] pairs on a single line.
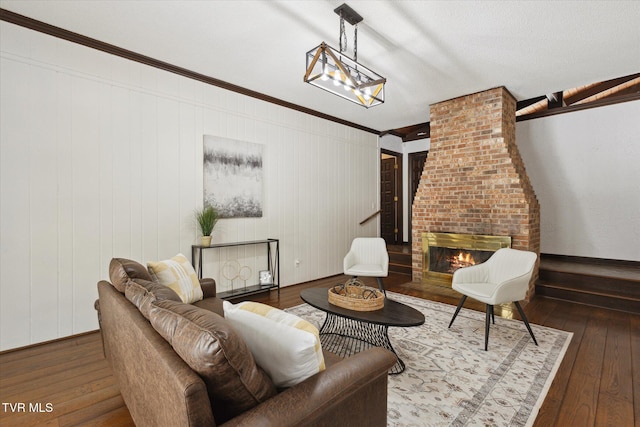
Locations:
{"points": [[474, 180]]}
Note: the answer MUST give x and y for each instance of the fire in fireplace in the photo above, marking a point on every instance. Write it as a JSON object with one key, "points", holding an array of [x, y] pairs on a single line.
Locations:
{"points": [[444, 253], [448, 260], [463, 259]]}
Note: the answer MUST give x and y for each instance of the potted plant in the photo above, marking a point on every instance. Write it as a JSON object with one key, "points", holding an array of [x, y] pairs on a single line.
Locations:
{"points": [[206, 218]]}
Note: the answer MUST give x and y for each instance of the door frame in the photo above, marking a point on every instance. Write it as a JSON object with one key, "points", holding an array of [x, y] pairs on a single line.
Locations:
{"points": [[398, 192]]}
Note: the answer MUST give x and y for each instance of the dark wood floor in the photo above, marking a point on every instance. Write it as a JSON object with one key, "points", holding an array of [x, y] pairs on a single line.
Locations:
{"points": [[598, 383]]}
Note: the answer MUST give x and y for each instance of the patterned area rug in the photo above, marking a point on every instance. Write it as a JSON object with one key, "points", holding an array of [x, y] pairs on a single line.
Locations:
{"points": [[451, 381]]}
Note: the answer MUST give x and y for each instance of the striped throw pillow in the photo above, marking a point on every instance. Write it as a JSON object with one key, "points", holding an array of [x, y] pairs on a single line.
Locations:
{"points": [[284, 345], [178, 274]]}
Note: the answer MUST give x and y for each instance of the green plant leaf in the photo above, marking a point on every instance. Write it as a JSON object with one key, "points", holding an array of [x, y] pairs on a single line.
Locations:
{"points": [[206, 218]]}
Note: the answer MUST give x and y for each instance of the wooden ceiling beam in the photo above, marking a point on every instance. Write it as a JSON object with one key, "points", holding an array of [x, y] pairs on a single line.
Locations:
{"points": [[597, 88], [422, 131], [527, 102], [411, 133]]}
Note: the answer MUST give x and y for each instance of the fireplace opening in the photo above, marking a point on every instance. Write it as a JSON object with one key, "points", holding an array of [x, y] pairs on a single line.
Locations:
{"points": [[444, 253], [448, 260]]}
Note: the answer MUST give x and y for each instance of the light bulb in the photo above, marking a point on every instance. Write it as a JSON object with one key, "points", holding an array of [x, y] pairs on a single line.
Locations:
{"points": [[325, 75], [337, 76]]}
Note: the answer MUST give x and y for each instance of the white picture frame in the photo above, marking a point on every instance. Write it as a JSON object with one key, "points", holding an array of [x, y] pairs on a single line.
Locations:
{"points": [[265, 278]]}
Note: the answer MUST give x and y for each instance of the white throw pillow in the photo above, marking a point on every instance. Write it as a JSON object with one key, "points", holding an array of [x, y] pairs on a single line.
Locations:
{"points": [[178, 274], [284, 345]]}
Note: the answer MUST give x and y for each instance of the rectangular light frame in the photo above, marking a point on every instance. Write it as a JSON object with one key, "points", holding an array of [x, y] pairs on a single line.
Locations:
{"points": [[339, 74]]}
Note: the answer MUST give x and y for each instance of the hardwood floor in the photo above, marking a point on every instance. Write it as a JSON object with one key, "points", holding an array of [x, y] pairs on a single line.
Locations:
{"points": [[68, 382]]}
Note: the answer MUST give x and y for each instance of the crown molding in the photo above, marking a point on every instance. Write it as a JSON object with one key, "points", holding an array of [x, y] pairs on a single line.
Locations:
{"points": [[61, 33]]}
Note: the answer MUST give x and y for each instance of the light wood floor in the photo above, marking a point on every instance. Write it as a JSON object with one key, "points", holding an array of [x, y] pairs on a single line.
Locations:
{"points": [[598, 383]]}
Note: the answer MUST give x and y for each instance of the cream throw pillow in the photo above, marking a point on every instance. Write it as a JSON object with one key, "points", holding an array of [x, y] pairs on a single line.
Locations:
{"points": [[178, 274], [284, 345]]}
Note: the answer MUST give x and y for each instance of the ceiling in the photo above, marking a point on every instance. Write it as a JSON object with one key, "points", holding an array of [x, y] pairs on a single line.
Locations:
{"points": [[429, 51]]}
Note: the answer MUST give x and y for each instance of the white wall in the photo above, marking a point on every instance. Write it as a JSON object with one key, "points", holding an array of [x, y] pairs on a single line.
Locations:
{"points": [[585, 169], [102, 157]]}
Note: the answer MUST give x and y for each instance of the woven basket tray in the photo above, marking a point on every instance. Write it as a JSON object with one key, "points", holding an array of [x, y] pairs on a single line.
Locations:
{"points": [[356, 296]]}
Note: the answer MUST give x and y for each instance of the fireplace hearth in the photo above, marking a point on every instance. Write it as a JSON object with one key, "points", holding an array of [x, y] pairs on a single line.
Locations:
{"points": [[444, 253]]}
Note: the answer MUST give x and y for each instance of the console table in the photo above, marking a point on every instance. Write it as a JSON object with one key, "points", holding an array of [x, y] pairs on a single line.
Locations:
{"points": [[273, 266]]}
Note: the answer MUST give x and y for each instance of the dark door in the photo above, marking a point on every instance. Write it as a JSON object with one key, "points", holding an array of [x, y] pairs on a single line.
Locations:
{"points": [[388, 200], [416, 166]]}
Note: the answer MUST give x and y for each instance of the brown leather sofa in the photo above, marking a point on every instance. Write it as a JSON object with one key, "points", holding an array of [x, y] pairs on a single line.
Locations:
{"points": [[160, 389]]}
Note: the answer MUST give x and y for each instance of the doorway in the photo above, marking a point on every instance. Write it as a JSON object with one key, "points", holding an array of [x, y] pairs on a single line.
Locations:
{"points": [[416, 166], [391, 197]]}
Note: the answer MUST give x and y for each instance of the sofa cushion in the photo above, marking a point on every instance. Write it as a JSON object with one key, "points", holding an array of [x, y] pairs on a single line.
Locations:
{"points": [[122, 269], [211, 347], [211, 304], [144, 292], [178, 274], [284, 345]]}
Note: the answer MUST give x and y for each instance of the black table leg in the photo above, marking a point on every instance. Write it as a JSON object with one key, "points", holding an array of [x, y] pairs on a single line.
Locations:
{"points": [[346, 337]]}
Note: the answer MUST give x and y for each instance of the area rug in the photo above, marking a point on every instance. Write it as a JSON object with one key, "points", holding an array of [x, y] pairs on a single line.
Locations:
{"points": [[451, 381]]}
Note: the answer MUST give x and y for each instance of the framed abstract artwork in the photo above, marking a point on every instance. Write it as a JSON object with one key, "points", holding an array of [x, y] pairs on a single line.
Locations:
{"points": [[233, 177]]}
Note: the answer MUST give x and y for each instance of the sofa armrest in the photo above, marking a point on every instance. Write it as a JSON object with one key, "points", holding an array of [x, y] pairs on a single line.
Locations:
{"points": [[353, 391], [208, 287]]}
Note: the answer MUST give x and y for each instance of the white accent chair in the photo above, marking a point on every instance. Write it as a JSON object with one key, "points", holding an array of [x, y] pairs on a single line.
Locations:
{"points": [[501, 279], [368, 257]]}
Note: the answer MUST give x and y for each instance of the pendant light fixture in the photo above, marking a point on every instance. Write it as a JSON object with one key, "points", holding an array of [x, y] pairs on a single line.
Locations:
{"points": [[341, 75]]}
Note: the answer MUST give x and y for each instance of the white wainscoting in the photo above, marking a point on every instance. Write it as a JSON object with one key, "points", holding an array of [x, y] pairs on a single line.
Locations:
{"points": [[102, 157]]}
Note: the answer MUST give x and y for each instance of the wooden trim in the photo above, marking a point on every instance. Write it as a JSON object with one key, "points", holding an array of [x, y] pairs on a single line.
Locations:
{"points": [[370, 217], [399, 187], [571, 108], [589, 260], [42, 27], [38, 344], [399, 195]]}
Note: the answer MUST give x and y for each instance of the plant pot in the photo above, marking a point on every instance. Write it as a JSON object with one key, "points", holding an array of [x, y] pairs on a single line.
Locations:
{"points": [[205, 241]]}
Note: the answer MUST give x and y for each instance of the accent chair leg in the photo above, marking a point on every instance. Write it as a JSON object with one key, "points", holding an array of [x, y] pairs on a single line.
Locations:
{"points": [[381, 286], [487, 322], [526, 322], [493, 316], [462, 300]]}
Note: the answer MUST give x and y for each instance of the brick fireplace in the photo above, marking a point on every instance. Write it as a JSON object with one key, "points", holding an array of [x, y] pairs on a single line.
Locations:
{"points": [[474, 181]]}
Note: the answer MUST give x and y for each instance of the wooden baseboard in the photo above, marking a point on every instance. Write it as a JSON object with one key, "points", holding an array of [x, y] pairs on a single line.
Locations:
{"points": [[593, 261], [54, 341]]}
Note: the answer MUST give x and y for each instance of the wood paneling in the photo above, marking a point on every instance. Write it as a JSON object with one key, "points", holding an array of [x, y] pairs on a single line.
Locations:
{"points": [[17, 19], [101, 157]]}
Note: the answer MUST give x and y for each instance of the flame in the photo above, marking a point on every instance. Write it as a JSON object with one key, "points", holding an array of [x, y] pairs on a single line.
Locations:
{"points": [[466, 258], [462, 259]]}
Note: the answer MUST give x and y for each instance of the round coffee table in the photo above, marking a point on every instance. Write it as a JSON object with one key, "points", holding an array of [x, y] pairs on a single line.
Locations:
{"points": [[346, 332]]}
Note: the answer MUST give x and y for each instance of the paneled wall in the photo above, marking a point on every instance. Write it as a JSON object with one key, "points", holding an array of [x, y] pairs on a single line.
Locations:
{"points": [[102, 157]]}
